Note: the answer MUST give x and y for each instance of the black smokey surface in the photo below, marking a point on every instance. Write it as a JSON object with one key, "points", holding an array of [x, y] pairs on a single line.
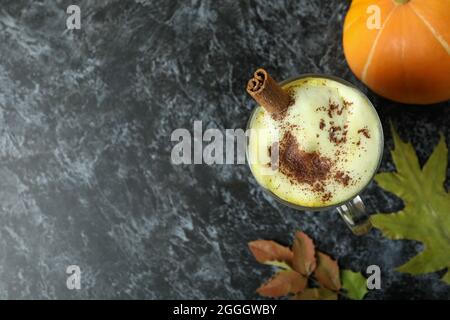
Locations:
{"points": [[85, 173]]}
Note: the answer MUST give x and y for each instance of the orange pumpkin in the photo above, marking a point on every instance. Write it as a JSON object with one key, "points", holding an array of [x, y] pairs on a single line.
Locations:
{"points": [[400, 48]]}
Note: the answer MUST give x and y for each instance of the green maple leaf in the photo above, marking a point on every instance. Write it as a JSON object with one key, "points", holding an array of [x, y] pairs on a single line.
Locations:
{"points": [[354, 284], [426, 215]]}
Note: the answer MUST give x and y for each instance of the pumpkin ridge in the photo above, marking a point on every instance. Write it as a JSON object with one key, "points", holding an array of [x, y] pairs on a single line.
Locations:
{"points": [[408, 90], [374, 45], [350, 24], [439, 38]]}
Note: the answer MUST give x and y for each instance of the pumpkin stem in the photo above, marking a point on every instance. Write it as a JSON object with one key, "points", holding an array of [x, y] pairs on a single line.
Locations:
{"points": [[401, 1]]}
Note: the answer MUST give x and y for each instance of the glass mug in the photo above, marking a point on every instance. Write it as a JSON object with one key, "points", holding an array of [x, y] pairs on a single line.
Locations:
{"points": [[352, 210]]}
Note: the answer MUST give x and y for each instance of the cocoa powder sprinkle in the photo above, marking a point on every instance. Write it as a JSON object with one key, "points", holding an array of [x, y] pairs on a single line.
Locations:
{"points": [[337, 135], [313, 168], [342, 178], [322, 124], [326, 197], [347, 104], [302, 166], [365, 132], [331, 108], [334, 107]]}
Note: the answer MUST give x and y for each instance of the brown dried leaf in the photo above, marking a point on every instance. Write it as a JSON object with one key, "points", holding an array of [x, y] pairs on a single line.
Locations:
{"points": [[316, 294], [282, 284], [304, 260], [267, 250], [327, 272]]}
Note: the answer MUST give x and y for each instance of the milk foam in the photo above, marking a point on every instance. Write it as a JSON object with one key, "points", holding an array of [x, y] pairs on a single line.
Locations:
{"points": [[357, 157]]}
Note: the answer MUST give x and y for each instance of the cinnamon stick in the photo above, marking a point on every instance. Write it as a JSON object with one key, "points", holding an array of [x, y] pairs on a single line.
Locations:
{"points": [[268, 93]]}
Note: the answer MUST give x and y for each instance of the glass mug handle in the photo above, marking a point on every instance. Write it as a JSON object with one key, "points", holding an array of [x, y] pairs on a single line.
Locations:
{"points": [[355, 216]]}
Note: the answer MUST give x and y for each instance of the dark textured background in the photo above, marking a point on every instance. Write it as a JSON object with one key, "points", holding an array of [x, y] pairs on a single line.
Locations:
{"points": [[85, 172]]}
